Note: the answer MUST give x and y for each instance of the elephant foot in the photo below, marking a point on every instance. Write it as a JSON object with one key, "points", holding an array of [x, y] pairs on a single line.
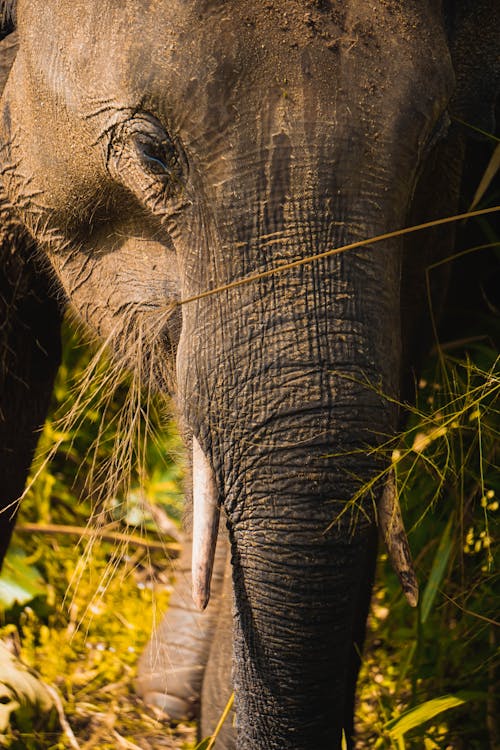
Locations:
{"points": [[171, 708], [171, 668]]}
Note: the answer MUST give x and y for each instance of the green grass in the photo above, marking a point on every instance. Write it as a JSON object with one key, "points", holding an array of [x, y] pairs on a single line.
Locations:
{"points": [[444, 655], [431, 677], [88, 606]]}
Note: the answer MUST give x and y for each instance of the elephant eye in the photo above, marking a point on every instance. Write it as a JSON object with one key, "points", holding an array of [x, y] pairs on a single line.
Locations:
{"points": [[143, 156], [157, 156]]}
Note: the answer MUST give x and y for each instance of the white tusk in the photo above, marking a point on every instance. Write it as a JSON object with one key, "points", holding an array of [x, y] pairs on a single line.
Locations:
{"points": [[205, 525], [393, 531]]}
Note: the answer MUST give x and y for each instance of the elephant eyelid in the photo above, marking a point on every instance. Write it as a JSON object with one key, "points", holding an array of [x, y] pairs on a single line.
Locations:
{"points": [[142, 141], [150, 164]]}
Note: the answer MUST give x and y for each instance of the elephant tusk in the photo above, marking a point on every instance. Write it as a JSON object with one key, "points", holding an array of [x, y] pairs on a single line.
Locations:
{"points": [[393, 531], [205, 526]]}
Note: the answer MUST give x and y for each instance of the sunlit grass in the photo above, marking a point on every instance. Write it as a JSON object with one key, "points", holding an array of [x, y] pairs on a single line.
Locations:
{"points": [[444, 655], [107, 455]]}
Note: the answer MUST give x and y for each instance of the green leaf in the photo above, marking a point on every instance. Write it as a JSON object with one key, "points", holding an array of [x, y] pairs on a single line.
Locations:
{"points": [[19, 581], [203, 744], [418, 715], [437, 571], [22, 696]]}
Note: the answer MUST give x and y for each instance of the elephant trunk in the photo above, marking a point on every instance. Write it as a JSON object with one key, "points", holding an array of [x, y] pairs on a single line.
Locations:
{"points": [[303, 560], [289, 384], [297, 418]]}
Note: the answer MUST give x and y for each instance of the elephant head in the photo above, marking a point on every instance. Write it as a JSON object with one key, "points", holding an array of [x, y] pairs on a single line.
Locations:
{"points": [[160, 152]]}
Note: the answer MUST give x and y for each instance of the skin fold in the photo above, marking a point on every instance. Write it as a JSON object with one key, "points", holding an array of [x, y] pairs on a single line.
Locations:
{"points": [[180, 146]]}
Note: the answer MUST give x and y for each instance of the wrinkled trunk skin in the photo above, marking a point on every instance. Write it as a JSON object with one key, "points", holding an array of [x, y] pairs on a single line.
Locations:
{"points": [[294, 647], [299, 573], [290, 423]]}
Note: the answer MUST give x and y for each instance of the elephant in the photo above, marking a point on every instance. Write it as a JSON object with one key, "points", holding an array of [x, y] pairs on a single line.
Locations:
{"points": [[180, 173]]}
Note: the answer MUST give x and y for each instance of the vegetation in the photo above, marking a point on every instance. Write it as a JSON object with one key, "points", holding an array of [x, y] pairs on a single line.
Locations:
{"points": [[444, 655], [79, 608], [431, 678]]}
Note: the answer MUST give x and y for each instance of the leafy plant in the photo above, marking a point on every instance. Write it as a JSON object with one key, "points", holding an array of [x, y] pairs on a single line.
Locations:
{"points": [[20, 581]]}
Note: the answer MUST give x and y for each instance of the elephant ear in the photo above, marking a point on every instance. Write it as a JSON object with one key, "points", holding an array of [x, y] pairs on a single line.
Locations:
{"points": [[474, 30], [7, 17]]}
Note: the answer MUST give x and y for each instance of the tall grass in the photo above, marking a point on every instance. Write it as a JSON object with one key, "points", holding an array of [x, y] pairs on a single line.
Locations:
{"points": [[432, 678], [108, 461]]}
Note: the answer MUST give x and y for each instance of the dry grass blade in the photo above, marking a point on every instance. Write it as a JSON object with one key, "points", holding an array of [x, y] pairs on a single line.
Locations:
{"points": [[73, 743], [337, 250], [486, 179], [109, 536], [211, 742]]}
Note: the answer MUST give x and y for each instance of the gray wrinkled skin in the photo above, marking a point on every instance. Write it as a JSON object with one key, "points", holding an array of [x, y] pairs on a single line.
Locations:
{"points": [[153, 150]]}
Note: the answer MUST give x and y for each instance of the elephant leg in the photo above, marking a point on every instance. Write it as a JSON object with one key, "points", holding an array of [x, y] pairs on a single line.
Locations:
{"points": [[171, 667], [359, 632], [217, 683], [30, 353]]}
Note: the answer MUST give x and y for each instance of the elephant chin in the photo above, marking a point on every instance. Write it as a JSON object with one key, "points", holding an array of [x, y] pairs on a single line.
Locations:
{"points": [[205, 525]]}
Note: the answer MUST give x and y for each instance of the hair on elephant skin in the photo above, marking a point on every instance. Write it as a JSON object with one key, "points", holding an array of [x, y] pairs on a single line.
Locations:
{"points": [[154, 154]]}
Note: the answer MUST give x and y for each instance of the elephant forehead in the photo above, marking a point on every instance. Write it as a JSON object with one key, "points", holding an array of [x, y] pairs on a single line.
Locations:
{"points": [[199, 64]]}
